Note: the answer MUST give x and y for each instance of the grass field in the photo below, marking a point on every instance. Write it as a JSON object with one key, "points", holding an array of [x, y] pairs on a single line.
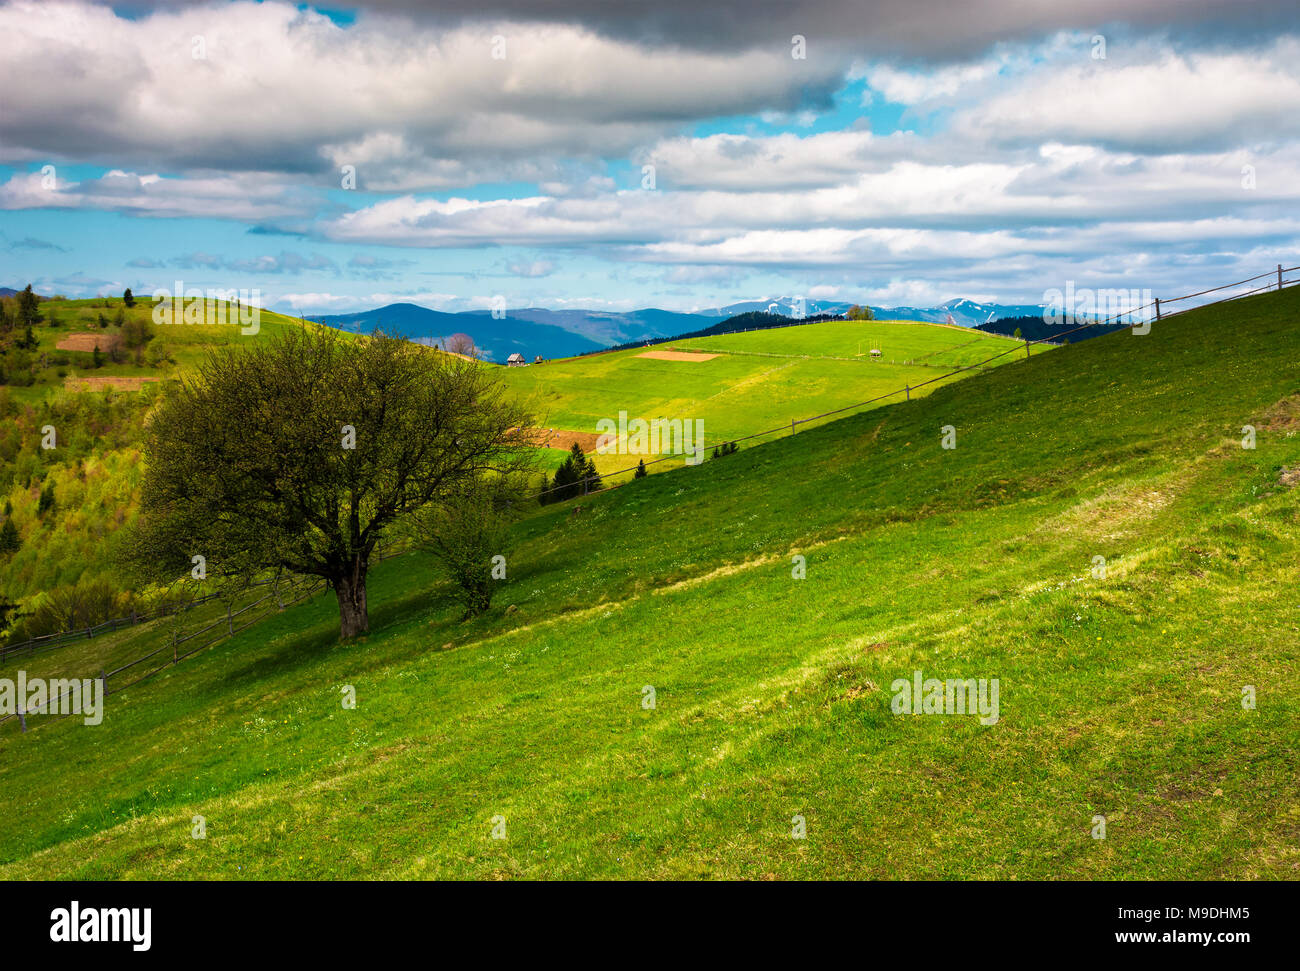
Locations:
{"points": [[1121, 696], [760, 380]]}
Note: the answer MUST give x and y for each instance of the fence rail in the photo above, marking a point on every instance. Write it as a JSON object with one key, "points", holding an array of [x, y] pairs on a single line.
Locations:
{"points": [[303, 590], [1157, 305], [311, 588], [48, 641]]}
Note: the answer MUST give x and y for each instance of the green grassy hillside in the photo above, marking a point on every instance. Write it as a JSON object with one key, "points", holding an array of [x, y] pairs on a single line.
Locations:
{"points": [[1120, 696], [92, 474], [759, 380]]}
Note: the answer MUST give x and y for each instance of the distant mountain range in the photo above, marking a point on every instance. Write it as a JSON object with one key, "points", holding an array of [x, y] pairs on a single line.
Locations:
{"points": [[534, 331]]}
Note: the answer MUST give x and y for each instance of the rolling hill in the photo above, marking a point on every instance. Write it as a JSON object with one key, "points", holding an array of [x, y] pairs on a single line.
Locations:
{"points": [[495, 339], [754, 381], [564, 333], [660, 693]]}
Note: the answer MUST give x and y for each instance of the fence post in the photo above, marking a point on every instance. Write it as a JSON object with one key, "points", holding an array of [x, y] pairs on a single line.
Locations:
{"points": [[103, 682], [230, 620], [1026, 348], [1279, 276], [22, 716], [1157, 308], [909, 392], [173, 646]]}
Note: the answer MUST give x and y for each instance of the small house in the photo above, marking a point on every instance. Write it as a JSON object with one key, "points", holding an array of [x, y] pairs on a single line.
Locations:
{"points": [[515, 360], [875, 352]]}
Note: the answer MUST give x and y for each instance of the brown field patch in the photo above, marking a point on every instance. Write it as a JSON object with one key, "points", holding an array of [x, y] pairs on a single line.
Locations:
{"points": [[562, 439], [102, 383], [678, 356], [87, 341]]}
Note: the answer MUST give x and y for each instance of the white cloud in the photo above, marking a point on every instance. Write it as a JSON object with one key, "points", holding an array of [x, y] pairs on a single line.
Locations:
{"points": [[408, 104]]}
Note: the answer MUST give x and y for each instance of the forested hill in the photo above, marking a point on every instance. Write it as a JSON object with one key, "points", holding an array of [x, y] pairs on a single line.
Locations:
{"points": [[1034, 329], [753, 320]]}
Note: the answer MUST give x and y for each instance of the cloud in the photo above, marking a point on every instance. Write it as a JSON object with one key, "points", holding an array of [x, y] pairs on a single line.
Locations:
{"points": [[535, 268], [932, 30], [31, 242], [248, 196], [1169, 102], [279, 89]]}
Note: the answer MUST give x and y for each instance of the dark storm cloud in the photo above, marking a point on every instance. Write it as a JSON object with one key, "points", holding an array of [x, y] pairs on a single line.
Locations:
{"points": [[922, 29]]}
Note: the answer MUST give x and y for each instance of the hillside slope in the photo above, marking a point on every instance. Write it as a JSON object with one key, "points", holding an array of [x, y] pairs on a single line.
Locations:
{"points": [[1121, 696], [96, 405], [756, 381]]}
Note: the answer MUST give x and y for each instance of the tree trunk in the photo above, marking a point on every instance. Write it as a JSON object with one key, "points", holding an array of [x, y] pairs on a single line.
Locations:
{"points": [[351, 591]]}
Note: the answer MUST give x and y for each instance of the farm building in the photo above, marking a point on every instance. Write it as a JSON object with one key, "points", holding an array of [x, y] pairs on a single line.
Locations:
{"points": [[875, 353], [515, 360]]}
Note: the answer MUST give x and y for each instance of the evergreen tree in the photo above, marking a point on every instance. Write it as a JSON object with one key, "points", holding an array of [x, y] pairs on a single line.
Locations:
{"points": [[9, 540], [640, 470], [46, 502], [29, 313], [128, 297], [575, 476], [8, 614], [96, 358], [103, 321]]}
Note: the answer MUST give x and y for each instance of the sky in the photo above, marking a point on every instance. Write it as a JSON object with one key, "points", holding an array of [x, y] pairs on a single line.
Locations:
{"points": [[682, 155]]}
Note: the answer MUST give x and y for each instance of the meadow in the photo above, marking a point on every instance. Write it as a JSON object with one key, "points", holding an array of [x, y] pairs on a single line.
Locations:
{"points": [[1121, 690], [759, 379]]}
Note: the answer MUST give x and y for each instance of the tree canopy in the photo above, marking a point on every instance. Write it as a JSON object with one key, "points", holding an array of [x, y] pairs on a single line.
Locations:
{"points": [[296, 453]]}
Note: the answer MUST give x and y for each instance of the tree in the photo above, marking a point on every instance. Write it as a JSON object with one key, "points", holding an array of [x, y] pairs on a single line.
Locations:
{"points": [[96, 358], [857, 312], [8, 614], [461, 344], [157, 354], [137, 333], [102, 321], [575, 476], [10, 542], [119, 318], [640, 470], [468, 534], [46, 502], [297, 453], [29, 308], [1016, 335], [128, 297]]}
